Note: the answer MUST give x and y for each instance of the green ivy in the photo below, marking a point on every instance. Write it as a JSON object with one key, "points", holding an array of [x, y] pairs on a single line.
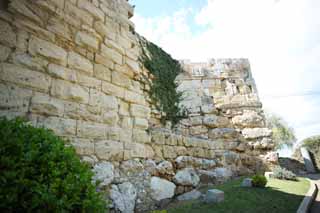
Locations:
{"points": [[163, 91], [40, 174]]}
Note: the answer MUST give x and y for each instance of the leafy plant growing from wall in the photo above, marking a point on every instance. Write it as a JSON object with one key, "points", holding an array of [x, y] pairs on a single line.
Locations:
{"points": [[163, 91]]}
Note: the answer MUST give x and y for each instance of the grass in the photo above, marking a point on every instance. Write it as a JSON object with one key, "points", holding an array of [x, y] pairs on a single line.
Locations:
{"points": [[279, 196]]}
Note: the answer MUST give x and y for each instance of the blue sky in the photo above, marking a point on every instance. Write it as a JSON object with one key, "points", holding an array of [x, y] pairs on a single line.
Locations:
{"points": [[281, 38]]}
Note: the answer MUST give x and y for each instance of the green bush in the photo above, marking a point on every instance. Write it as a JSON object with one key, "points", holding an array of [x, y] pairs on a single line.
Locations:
{"points": [[259, 181], [284, 174], [40, 174]]}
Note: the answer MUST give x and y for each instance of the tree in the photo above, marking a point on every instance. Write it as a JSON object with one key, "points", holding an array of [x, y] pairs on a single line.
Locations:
{"points": [[282, 134]]}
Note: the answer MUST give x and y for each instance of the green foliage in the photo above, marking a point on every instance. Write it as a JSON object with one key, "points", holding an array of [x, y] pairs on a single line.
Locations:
{"points": [[283, 174], [163, 90], [282, 134], [313, 145], [259, 181], [40, 174]]}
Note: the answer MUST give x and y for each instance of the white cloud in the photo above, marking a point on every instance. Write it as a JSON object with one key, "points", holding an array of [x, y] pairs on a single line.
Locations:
{"points": [[281, 39]]}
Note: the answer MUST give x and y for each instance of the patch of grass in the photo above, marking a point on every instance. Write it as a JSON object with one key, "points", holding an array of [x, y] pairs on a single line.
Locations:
{"points": [[279, 196]]}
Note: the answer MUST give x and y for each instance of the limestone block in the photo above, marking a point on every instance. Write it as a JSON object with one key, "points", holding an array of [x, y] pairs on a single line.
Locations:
{"points": [[141, 136], [253, 133], [158, 137], [111, 54], [131, 167], [109, 150], [161, 188], [86, 40], [126, 122], [214, 121], [59, 27], [198, 130], [102, 72], [165, 168], [133, 97], [126, 135], [109, 103], [198, 152], [223, 174], [169, 152], [133, 64], [61, 72], [79, 62], [4, 53], [123, 197], [89, 82], [196, 142], [195, 120], [114, 133], [25, 77], [172, 139], [83, 146], [110, 118], [198, 163], [114, 45], [14, 98], [187, 177], [36, 63], [77, 13], [7, 36], [104, 60], [29, 11], [140, 111], [49, 50], [121, 80], [44, 104], [91, 130], [125, 42], [249, 119], [69, 91], [124, 108], [104, 173], [113, 90], [223, 133], [61, 126], [141, 123], [214, 196], [137, 150], [103, 30], [230, 158], [90, 8]]}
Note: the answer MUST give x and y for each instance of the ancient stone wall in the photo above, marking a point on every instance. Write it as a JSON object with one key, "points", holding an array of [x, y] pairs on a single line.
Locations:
{"points": [[72, 66]]}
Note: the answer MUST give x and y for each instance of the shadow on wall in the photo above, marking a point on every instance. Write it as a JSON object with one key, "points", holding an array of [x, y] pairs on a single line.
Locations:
{"points": [[4, 4], [314, 161]]}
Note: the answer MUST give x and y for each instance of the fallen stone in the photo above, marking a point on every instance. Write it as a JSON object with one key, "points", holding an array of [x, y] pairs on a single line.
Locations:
{"points": [[193, 195], [214, 196], [247, 182]]}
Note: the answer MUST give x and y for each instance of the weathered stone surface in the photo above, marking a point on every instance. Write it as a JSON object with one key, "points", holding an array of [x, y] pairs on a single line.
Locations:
{"points": [[113, 90], [141, 123], [124, 197], [223, 174], [249, 119], [137, 150], [87, 40], [104, 173], [112, 54], [91, 130], [121, 80], [48, 50], [139, 111], [4, 53], [68, 91], [110, 118], [90, 8], [25, 77], [79, 62], [214, 121], [61, 126], [253, 133], [141, 136], [272, 157], [214, 196], [77, 13], [165, 168], [192, 195], [7, 36], [161, 189], [61, 72], [133, 97], [199, 163], [102, 72], [225, 133], [187, 177], [83, 146], [109, 150], [44, 104]]}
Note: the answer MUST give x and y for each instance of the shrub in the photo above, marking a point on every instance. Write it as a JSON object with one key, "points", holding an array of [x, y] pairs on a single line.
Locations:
{"points": [[40, 174], [284, 174], [259, 181]]}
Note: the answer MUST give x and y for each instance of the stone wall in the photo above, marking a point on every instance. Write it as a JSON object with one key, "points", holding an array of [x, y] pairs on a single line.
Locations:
{"points": [[72, 66]]}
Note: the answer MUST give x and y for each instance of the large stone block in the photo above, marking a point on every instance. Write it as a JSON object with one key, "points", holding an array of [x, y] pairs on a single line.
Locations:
{"points": [[79, 62], [141, 136], [4, 53], [111, 54], [109, 150], [44, 104], [112, 89], [187, 177], [61, 126], [68, 91], [102, 72], [103, 30], [214, 196], [161, 188], [223, 133], [249, 119], [61, 72], [141, 123], [124, 197], [89, 82], [104, 173], [214, 121], [121, 80], [253, 133], [49, 50], [140, 111], [133, 97], [91, 130], [169, 152], [198, 163], [79, 14], [25, 77], [7, 36], [137, 150], [104, 60], [110, 118], [90, 8], [87, 40], [83, 146]]}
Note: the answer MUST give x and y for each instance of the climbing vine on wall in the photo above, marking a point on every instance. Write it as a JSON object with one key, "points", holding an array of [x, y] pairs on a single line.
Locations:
{"points": [[163, 91]]}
